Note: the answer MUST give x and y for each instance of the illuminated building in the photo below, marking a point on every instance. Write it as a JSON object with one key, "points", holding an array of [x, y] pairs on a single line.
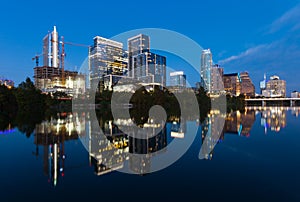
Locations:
{"points": [[216, 82], [247, 87], [49, 78], [275, 87], [143, 65], [108, 63], [232, 84], [205, 69], [51, 49]]}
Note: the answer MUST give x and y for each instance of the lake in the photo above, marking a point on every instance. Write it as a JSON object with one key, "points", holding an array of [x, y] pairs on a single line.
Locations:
{"points": [[240, 156]]}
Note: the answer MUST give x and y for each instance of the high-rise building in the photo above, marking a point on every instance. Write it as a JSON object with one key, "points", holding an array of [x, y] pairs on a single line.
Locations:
{"points": [[108, 62], [138, 44], [232, 84], [50, 78], [51, 49], [216, 83], [247, 87], [275, 87], [178, 79], [143, 65], [205, 69]]}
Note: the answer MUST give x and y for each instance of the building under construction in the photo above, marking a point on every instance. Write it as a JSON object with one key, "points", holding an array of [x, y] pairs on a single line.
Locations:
{"points": [[52, 76]]}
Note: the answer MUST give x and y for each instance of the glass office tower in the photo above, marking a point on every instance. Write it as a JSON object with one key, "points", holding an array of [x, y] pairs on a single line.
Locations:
{"points": [[205, 69], [106, 58], [144, 65]]}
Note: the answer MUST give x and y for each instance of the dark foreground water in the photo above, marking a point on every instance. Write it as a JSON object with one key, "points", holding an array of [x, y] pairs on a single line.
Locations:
{"points": [[254, 158]]}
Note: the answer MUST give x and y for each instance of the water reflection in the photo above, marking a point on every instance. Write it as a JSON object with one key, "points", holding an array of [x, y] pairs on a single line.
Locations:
{"points": [[109, 152], [116, 150], [51, 135]]}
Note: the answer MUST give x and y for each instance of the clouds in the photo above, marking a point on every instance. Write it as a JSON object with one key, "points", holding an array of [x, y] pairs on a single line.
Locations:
{"points": [[281, 56], [244, 54], [290, 18]]}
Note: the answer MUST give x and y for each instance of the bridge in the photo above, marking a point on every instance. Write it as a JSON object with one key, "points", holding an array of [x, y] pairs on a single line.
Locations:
{"points": [[265, 101]]}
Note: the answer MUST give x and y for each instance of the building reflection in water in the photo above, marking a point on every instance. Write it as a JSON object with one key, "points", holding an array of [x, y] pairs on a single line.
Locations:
{"points": [[273, 118], [51, 135], [178, 128], [114, 149], [236, 123], [295, 111], [212, 131]]}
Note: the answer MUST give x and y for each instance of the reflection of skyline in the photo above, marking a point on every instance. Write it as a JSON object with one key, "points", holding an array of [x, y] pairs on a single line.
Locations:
{"points": [[115, 150], [273, 118], [51, 135], [239, 123], [235, 123]]}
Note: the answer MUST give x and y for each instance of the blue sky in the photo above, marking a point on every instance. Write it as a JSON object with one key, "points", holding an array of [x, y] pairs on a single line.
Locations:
{"points": [[254, 36]]}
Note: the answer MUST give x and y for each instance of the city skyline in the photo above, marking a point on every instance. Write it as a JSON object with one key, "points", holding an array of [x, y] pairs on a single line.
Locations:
{"points": [[233, 46]]}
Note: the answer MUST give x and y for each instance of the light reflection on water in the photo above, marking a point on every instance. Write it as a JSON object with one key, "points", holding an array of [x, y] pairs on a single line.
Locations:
{"points": [[112, 151]]}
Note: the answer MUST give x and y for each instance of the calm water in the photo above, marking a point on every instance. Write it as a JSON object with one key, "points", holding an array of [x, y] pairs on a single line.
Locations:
{"points": [[254, 157]]}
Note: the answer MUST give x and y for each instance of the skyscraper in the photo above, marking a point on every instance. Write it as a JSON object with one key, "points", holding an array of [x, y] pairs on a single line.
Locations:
{"points": [[143, 65], [51, 49], [216, 83], [138, 44], [247, 87], [205, 69], [108, 62]]}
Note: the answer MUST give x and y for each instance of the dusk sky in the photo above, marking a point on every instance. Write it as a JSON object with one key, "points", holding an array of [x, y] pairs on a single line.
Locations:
{"points": [[255, 36]]}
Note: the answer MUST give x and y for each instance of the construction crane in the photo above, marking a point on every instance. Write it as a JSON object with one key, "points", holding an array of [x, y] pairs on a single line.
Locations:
{"points": [[63, 55], [36, 58]]}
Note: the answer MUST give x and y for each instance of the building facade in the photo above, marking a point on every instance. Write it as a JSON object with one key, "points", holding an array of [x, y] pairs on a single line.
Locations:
{"points": [[275, 87], [51, 49], [205, 69], [232, 84], [216, 79], [295, 94], [143, 65], [108, 63], [178, 79], [247, 87], [50, 78]]}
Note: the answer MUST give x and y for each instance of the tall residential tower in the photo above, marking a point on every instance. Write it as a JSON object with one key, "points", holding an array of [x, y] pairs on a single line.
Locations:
{"points": [[205, 69]]}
